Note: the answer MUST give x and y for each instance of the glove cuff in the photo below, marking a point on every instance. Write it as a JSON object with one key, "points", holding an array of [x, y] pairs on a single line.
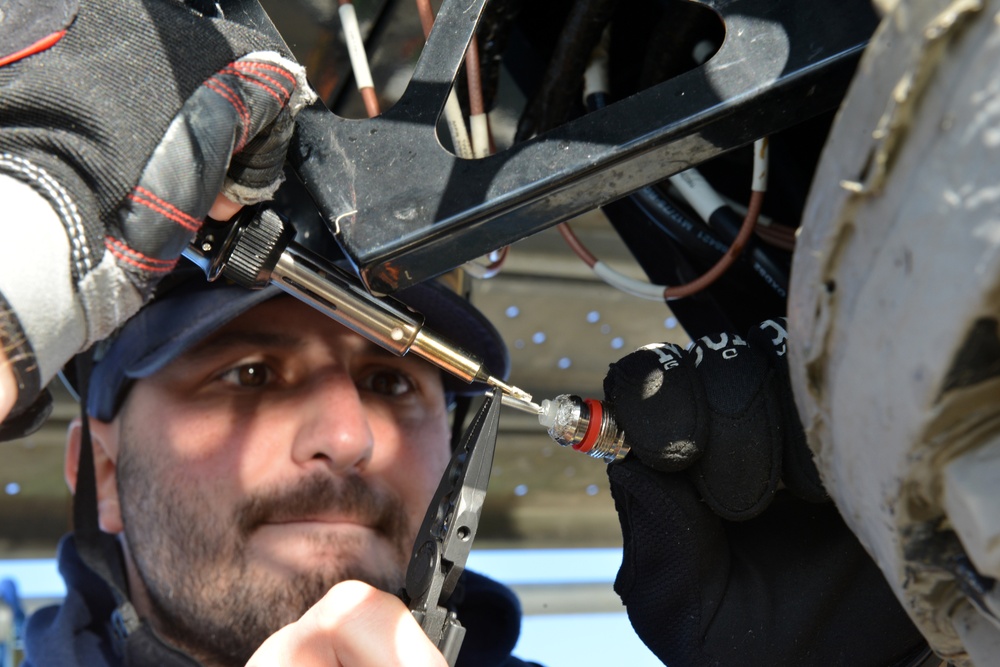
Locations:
{"points": [[36, 256]]}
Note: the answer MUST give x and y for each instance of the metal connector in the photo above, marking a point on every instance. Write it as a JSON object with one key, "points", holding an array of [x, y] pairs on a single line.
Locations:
{"points": [[584, 425]]}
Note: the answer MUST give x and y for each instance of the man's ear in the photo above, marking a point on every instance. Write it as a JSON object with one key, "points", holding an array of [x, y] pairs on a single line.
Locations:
{"points": [[104, 439]]}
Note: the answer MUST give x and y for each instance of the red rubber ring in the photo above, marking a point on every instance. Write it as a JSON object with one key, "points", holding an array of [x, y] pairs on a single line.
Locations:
{"points": [[593, 428]]}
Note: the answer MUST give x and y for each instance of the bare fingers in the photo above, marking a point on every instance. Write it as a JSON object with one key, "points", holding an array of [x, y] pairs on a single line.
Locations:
{"points": [[354, 625]]}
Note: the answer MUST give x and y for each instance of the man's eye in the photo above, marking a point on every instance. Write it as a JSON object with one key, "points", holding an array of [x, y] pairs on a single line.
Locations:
{"points": [[251, 375], [387, 383]]}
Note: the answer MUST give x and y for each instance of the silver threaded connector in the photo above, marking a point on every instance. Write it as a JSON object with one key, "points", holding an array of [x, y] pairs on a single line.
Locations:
{"points": [[584, 425]]}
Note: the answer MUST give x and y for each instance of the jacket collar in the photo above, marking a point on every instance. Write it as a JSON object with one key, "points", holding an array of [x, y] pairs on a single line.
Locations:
{"points": [[78, 633]]}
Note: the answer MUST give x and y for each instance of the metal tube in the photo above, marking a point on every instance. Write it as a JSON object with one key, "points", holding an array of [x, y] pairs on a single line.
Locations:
{"points": [[428, 345], [252, 250], [381, 320]]}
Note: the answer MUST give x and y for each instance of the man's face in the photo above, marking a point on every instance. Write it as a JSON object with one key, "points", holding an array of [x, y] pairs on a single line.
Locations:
{"points": [[280, 456]]}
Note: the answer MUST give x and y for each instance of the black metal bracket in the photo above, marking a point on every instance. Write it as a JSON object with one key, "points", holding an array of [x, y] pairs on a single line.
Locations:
{"points": [[405, 209]]}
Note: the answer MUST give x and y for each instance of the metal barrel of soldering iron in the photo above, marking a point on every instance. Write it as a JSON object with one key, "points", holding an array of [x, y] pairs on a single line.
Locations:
{"points": [[258, 250], [382, 320]]}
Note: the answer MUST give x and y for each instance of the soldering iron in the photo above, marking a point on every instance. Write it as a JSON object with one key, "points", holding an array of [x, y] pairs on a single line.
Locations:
{"points": [[256, 249]]}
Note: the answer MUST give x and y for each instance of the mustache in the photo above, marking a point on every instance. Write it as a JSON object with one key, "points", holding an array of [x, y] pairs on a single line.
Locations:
{"points": [[350, 496]]}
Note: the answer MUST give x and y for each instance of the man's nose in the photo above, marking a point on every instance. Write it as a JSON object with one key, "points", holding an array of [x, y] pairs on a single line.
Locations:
{"points": [[334, 426]]}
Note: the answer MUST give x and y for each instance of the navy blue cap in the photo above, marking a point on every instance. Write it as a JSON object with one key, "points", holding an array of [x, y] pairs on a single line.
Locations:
{"points": [[187, 309]]}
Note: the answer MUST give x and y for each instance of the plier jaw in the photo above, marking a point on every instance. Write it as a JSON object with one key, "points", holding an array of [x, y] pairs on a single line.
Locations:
{"points": [[445, 539]]}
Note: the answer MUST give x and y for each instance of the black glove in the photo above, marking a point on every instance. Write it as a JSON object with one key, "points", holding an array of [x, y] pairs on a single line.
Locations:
{"points": [[119, 123], [723, 411], [708, 576]]}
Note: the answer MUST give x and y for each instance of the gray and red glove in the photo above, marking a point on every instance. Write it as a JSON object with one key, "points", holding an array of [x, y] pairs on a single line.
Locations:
{"points": [[721, 565], [120, 123]]}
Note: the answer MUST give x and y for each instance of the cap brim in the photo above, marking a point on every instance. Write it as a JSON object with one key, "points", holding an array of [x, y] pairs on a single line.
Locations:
{"points": [[188, 314]]}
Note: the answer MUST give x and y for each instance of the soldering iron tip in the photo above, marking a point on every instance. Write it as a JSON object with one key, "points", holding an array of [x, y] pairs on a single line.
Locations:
{"points": [[508, 389], [522, 405]]}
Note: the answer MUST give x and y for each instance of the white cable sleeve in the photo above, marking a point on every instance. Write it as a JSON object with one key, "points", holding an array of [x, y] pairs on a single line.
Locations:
{"points": [[595, 77], [480, 135], [697, 192], [760, 152], [628, 285], [355, 46], [482, 266], [456, 127], [35, 274], [475, 269]]}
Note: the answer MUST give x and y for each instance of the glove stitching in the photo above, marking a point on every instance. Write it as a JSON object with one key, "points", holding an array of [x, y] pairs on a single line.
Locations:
{"points": [[282, 97], [166, 209], [231, 96], [281, 100], [302, 94], [123, 252], [280, 71], [63, 204]]}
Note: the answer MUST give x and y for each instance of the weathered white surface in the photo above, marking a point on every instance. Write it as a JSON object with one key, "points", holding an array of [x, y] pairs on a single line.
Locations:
{"points": [[972, 501], [978, 634], [896, 262]]}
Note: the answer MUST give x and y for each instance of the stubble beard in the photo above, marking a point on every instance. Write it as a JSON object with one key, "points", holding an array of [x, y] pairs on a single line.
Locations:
{"points": [[206, 594]]}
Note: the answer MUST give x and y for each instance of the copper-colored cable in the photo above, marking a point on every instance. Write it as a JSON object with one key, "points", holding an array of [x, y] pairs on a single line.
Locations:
{"points": [[573, 242], [479, 126], [706, 279], [426, 16], [371, 101], [734, 250], [475, 86], [778, 235], [472, 73], [777, 231], [778, 239], [473, 79]]}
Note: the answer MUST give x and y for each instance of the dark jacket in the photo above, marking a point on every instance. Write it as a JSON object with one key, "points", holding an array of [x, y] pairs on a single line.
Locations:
{"points": [[78, 632]]}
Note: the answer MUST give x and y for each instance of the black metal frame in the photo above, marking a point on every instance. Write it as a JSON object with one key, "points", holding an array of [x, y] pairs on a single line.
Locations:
{"points": [[405, 209]]}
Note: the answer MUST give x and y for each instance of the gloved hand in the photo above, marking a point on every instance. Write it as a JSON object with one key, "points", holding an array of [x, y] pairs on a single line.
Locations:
{"points": [[721, 566], [121, 121], [722, 411]]}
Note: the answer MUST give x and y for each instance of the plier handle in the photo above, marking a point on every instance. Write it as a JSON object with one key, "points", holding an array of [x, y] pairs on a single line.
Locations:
{"points": [[449, 528]]}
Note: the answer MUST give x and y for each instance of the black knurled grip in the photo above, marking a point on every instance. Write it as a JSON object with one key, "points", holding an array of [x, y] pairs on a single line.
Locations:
{"points": [[255, 253]]}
